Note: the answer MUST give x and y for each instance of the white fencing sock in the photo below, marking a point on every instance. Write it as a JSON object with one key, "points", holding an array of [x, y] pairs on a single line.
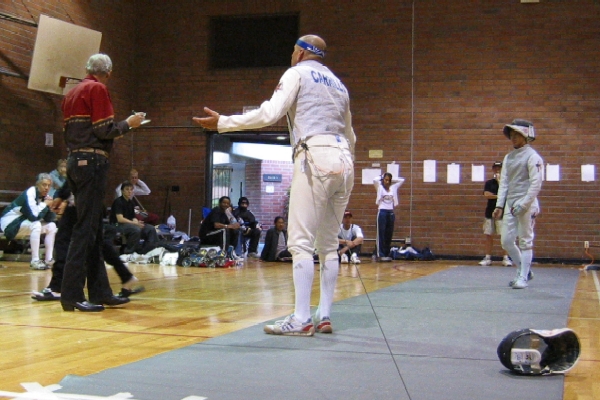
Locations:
{"points": [[304, 273], [515, 254], [49, 240], [526, 257], [34, 240], [329, 274]]}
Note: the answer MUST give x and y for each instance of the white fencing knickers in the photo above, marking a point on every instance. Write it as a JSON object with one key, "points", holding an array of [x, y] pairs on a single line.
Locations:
{"points": [[519, 226], [321, 186]]}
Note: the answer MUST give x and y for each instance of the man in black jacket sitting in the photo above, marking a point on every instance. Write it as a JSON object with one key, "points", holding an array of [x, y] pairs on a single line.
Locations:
{"points": [[250, 228], [122, 215], [219, 226]]}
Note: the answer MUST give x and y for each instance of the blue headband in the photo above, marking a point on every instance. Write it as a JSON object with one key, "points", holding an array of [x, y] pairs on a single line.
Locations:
{"points": [[311, 48]]}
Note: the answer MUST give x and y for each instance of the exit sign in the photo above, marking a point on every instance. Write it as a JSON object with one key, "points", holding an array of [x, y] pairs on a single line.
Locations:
{"points": [[271, 177]]}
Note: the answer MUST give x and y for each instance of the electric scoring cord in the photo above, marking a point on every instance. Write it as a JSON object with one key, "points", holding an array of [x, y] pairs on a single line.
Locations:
{"points": [[311, 162]]}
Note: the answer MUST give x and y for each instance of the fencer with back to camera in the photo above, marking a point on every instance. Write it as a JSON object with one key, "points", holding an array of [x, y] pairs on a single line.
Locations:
{"points": [[317, 106]]}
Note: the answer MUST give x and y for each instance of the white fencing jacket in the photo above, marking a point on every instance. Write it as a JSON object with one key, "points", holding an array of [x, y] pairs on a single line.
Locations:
{"points": [[521, 179]]}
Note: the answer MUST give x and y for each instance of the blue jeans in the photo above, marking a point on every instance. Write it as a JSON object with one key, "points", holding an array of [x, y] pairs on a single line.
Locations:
{"points": [[385, 231]]}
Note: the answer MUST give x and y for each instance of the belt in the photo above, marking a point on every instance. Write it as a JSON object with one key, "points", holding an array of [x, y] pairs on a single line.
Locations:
{"points": [[91, 150]]}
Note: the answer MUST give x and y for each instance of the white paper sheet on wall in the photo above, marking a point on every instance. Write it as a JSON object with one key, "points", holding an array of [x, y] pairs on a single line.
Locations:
{"points": [[552, 172], [588, 173], [453, 176], [429, 174], [368, 174], [477, 173], [394, 169]]}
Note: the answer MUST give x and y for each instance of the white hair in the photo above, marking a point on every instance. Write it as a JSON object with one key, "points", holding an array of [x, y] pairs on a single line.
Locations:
{"points": [[99, 64], [43, 177]]}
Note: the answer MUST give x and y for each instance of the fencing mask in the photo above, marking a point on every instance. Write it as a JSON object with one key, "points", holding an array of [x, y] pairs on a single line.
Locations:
{"points": [[539, 352]]}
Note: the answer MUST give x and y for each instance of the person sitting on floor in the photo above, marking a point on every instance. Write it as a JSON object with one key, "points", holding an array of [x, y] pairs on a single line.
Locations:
{"points": [[29, 215], [122, 215], [351, 238], [275, 248], [219, 226], [250, 227]]}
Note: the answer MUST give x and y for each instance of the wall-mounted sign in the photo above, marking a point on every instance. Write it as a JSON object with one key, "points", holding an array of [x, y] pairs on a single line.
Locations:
{"points": [[375, 153], [272, 178]]}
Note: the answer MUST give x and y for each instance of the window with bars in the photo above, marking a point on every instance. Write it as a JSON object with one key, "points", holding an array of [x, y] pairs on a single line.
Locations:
{"points": [[221, 183]]}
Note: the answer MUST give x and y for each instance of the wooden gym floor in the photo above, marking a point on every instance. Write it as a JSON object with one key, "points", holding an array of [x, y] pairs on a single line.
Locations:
{"points": [[182, 306]]}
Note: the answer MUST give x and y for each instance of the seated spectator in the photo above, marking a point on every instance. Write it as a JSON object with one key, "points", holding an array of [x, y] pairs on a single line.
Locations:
{"points": [[59, 176], [29, 215], [219, 226], [139, 189], [250, 228], [351, 238], [275, 248], [65, 201], [122, 215]]}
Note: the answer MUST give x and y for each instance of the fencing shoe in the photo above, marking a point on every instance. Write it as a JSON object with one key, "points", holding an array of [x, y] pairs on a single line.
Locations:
{"points": [[290, 326], [486, 262], [506, 261], [324, 325], [520, 283]]}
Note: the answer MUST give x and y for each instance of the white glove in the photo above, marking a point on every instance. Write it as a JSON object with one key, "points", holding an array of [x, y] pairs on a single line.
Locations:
{"points": [[517, 210]]}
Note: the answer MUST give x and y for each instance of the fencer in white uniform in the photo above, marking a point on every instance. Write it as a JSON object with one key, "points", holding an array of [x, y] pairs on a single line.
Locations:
{"points": [[318, 112], [517, 203]]}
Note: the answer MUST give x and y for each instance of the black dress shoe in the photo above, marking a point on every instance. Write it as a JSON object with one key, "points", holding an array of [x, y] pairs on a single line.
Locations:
{"points": [[84, 306], [45, 295], [114, 301], [126, 292]]}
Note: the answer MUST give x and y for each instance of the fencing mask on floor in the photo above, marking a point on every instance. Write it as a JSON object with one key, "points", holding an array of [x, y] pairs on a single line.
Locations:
{"points": [[539, 352]]}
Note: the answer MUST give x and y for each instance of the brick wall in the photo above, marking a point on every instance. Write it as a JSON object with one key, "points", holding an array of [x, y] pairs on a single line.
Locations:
{"points": [[275, 203], [442, 92]]}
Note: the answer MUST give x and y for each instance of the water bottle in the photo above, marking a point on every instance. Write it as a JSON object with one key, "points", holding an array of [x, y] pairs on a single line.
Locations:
{"points": [[232, 219], [171, 224]]}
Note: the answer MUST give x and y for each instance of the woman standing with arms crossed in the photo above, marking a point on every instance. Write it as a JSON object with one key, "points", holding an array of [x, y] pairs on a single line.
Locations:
{"points": [[387, 199]]}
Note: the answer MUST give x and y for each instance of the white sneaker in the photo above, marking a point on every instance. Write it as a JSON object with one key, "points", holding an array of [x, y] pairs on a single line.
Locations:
{"points": [[520, 284], [38, 265], [354, 259], [529, 277], [290, 326], [235, 257], [324, 325], [344, 259], [254, 255], [486, 262], [506, 261]]}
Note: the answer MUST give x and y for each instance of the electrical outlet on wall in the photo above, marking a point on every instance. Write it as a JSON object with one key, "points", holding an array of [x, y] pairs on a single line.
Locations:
{"points": [[586, 245]]}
